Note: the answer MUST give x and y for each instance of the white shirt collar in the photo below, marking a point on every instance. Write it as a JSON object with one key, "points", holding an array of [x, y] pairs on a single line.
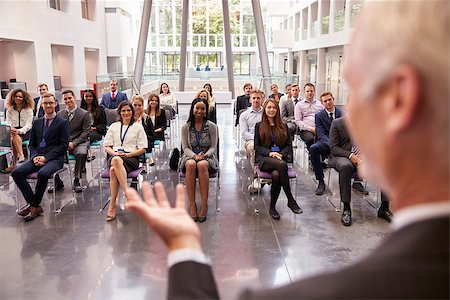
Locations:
{"points": [[420, 212]]}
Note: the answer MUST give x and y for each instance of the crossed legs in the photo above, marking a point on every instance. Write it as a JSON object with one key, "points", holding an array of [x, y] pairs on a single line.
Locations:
{"points": [[118, 177]]}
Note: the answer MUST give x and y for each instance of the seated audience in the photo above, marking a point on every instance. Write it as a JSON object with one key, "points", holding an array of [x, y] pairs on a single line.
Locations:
{"points": [[275, 94], [38, 110], [345, 158], [141, 117], [288, 94], [112, 99], [396, 119], [49, 137], [157, 116], [19, 116], [287, 109], [243, 102], [80, 123], [305, 111], [247, 122], [167, 98], [89, 102], [208, 87], [273, 149], [321, 148], [124, 142], [212, 113], [199, 144]]}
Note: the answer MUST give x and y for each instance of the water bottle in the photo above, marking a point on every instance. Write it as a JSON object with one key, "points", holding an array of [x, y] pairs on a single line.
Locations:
{"points": [[2, 117]]}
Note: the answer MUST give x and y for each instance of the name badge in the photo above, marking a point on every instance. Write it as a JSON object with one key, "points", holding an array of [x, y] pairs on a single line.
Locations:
{"points": [[42, 144], [275, 149]]}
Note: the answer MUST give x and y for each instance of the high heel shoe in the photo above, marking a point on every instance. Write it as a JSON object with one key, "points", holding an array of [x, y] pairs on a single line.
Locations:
{"points": [[195, 218], [274, 214], [201, 219], [294, 207], [21, 159]]}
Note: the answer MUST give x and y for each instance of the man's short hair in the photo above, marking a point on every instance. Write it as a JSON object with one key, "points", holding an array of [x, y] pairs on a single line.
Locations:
{"points": [[309, 84], [326, 93], [294, 85], [42, 84], [289, 85], [48, 95], [247, 84], [69, 92], [256, 91], [113, 80]]}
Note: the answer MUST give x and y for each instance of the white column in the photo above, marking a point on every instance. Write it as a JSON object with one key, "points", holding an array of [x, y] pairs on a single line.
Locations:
{"points": [[303, 69], [321, 69], [290, 62], [332, 16]]}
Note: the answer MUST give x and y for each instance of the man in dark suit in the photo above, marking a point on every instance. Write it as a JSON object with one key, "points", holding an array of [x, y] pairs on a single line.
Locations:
{"points": [[406, 149], [80, 124], [345, 158], [287, 109], [321, 147], [243, 102], [114, 97], [49, 137], [38, 110]]}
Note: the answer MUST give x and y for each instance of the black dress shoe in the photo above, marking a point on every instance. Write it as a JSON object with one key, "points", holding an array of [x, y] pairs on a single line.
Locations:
{"points": [[320, 188], [274, 214], [294, 207], [385, 214], [34, 212], [77, 188], [24, 211], [346, 218], [360, 188]]}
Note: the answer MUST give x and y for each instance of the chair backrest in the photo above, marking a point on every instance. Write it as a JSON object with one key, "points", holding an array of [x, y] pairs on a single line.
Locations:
{"points": [[111, 116], [5, 136]]}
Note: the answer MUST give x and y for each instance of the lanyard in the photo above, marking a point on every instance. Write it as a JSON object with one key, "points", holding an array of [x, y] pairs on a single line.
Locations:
{"points": [[274, 138], [122, 138], [198, 135]]}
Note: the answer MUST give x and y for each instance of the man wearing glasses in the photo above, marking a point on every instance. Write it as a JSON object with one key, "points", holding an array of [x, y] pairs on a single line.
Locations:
{"points": [[49, 139]]}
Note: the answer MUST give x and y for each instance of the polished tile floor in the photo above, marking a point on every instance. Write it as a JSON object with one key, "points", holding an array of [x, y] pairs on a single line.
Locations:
{"points": [[77, 255]]}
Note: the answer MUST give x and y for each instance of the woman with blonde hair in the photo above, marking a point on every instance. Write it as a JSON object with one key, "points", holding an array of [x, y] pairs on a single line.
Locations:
{"points": [[140, 116], [212, 114], [19, 116]]}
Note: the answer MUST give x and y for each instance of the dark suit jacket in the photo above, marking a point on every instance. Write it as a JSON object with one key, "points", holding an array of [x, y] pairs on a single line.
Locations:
{"points": [[148, 127], [323, 124], [242, 103], [100, 121], [79, 126], [412, 262], [279, 95], [160, 122], [340, 142], [107, 101], [57, 139], [41, 110], [262, 152]]}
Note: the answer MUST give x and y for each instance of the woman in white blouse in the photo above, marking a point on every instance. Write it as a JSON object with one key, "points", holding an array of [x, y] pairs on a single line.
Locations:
{"points": [[167, 98], [19, 116], [125, 141]]}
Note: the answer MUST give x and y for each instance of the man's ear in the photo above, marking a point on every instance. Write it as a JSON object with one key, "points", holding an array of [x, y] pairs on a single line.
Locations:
{"points": [[402, 98]]}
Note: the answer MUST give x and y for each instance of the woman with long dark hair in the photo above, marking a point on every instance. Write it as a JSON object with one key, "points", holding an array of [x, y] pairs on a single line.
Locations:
{"points": [[167, 98], [19, 116], [273, 148], [204, 94], [157, 116], [124, 142], [199, 143], [89, 102]]}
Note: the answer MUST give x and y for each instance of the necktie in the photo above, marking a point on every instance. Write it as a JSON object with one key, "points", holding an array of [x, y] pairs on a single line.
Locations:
{"points": [[295, 101], [113, 96], [331, 116], [70, 115]]}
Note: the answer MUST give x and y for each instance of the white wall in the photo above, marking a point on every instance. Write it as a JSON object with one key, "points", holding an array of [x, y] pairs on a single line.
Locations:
{"points": [[44, 26]]}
